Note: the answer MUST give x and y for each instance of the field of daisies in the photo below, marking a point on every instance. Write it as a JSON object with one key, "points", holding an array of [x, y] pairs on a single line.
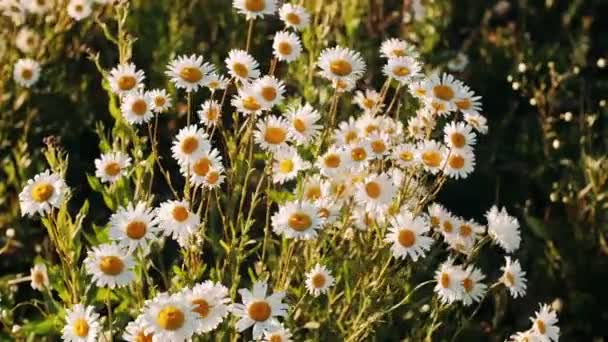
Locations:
{"points": [[264, 170]]}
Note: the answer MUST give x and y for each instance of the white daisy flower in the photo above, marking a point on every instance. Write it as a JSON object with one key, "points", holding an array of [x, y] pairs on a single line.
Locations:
{"points": [[466, 101], [111, 166], [39, 277], [347, 132], [26, 72], [418, 89], [431, 155], [136, 331], [189, 72], [42, 193], [170, 318], [286, 164], [294, 16], [110, 266], [82, 324], [125, 79], [473, 288], [319, 280], [79, 9], [210, 301], [405, 155], [369, 101], [161, 101], [459, 136], [467, 232], [449, 279], [247, 101], [368, 124], [253, 9], [303, 127], [402, 69], [210, 113], [416, 128], [436, 213], [297, 220], [376, 193], [406, 236], [27, 40], [393, 128], [513, 277], [477, 121], [545, 324], [37, 6], [359, 154], [203, 166], [364, 220], [504, 229], [341, 64], [215, 178], [272, 133], [333, 162], [312, 188], [133, 226], [242, 66], [280, 334], [329, 209], [380, 144], [190, 144], [525, 336], [259, 310], [395, 48], [216, 81], [286, 46], [460, 163], [137, 108], [441, 93], [176, 220], [269, 90]]}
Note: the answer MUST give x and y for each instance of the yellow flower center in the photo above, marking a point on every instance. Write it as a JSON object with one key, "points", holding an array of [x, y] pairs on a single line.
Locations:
{"points": [[406, 156], [509, 279], [142, 337], [456, 162], [275, 338], [170, 318], [189, 145], [435, 221], [275, 135], [406, 238], [213, 177], [445, 280], [398, 52], [463, 104], [447, 226], [401, 71], [259, 310], [293, 18], [351, 137], [111, 265], [251, 104], [136, 230], [201, 167], [318, 280], [299, 221], [332, 161], [269, 93], [41, 192], [81, 327], [255, 5], [202, 307], [465, 230], [468, 284], [191, 74], [540, 325], [285, 48], [431, 158], [240, 69], [458, 140], [358, 154], [369, 103], [371, 128], [212, 114], [180, 213], [299, 125], [324, 212], [112, 169], [286, 166], [126, 83], [139, 107], [341, 67], [78, 8], [160, 101], [38, 278], [443, 92], [313, 192], [373, 189], [27, 74], [378, 146]]}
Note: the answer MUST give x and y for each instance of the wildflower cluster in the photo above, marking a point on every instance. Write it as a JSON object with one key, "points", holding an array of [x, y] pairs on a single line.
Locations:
{"points": [[275, 185]]}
